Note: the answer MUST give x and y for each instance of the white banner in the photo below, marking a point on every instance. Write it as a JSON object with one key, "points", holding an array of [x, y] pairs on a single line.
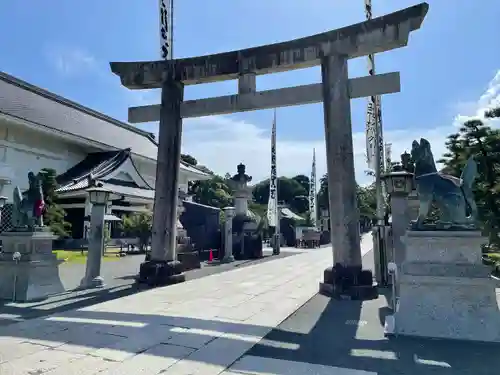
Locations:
{"points": [[371, 133], [166, 29], [388, 155], [272, 203], [312, 191]]}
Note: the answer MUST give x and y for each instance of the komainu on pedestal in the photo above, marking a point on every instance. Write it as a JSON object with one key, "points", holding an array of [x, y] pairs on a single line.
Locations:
{"points": [[444, 290], [29, 271]]}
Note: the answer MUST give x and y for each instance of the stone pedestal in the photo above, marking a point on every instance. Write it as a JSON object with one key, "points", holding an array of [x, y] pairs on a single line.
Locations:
{"points": [[413, 205], [383, 251], [444, 289], [36, 275], [189, 258]]}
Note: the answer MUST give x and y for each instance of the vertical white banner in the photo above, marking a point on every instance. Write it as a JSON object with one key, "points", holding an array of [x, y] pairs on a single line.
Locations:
{"points": [[312, 192], [373, 114], [371, 133], [272, 203], [388, 156], [166, 29]]}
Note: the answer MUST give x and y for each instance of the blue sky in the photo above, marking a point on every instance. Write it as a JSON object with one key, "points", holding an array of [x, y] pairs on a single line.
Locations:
{"points": [[65, 46]]}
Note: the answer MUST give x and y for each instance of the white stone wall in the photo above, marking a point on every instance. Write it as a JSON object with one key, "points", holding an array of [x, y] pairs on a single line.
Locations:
{"points": [[23, 150]]}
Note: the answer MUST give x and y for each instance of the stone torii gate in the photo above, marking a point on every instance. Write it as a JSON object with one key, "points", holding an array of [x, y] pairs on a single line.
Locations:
{"points": [[331, 50]]}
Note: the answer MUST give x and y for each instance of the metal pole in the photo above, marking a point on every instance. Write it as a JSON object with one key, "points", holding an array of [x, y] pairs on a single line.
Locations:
{"points": [[171, 29], [374, 113], [376, 160]]}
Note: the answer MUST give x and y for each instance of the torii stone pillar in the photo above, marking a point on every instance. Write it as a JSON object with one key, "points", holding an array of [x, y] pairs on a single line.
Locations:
{"points": [[340, 162], [163, 266]]}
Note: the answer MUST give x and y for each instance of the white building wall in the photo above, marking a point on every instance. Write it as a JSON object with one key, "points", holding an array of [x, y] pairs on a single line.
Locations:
{"points": [[23, 150]]}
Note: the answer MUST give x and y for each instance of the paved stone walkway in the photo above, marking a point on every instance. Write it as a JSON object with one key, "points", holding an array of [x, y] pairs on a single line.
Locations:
{"points": [[202, 326], [119, 277]]}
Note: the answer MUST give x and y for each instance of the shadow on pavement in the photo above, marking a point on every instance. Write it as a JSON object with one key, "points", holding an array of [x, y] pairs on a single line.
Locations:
{"points": [[345, 334], [70, 300], [349, 334]]}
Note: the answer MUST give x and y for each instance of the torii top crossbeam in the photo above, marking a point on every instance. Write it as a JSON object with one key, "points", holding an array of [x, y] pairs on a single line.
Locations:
{"points": [[377, 35]]}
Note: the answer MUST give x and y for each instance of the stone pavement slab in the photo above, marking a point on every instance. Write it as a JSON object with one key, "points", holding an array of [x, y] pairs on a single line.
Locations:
{"points": [[198, 327]]}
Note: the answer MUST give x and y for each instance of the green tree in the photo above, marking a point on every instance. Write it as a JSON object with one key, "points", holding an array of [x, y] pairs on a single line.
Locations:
{"points": [[290, 192], [54, 215], [138, 225], [323, 202], [303, 180], [366, 198], [188, 159], [480, 141], [214, 192]]}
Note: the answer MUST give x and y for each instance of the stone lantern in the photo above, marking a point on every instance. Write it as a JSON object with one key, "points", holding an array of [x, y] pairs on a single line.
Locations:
{"points": [[399, 185], [398, 182], [99, 198]]}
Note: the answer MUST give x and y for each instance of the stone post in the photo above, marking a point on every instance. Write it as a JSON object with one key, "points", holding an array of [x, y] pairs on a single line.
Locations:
{"points": [[228, 234], [180, 231], [86, 222], [163, 267], [277, 234], [400, 221], [92, 278], [344, 215]]}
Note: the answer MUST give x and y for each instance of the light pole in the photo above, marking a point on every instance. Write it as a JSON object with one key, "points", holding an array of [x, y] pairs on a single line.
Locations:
{"points": [[98, 198]]}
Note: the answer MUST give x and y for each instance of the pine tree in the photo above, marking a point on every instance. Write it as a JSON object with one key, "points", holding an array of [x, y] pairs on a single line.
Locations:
{"points": [[54, 215], [480, 141]]}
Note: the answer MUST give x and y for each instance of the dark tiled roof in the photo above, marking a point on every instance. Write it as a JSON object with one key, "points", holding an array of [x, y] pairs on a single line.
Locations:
{"points": [[33, 104], [95, 163], [96, 166]]}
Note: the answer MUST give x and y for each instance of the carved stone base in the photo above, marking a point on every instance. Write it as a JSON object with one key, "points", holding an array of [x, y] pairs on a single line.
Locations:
{"points": [[159, 273], [348, 283], [35, 275], [444, 289]]}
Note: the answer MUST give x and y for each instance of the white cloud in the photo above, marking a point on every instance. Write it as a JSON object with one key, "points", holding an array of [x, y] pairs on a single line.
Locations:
{"points": [[490, 99], [71, 61], [221, 143]]}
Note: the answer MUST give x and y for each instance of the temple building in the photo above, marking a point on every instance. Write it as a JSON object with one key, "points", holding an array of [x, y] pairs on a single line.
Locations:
{"points": [[39, 129]]}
